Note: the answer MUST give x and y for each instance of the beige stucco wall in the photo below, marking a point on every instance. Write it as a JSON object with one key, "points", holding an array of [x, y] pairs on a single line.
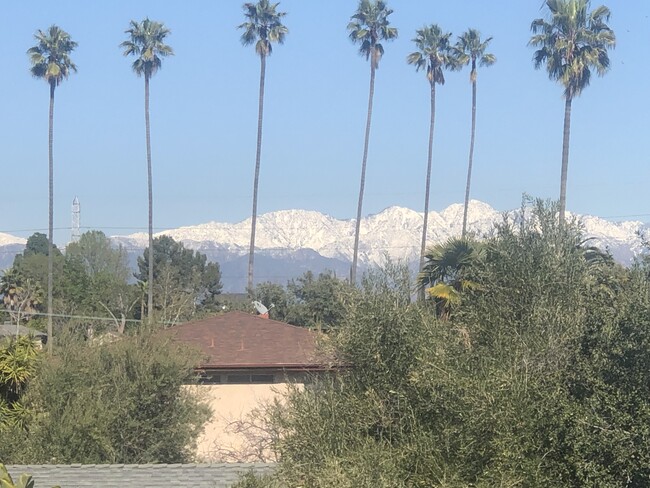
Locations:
{"points": [[236, 431]]}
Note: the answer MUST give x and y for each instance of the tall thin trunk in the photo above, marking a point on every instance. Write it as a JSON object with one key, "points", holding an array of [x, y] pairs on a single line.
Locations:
{"points": [[471, 153], [258, 155], [150, 188], [353, 269], [142, 309], [565, 157], [428, 183], [50, 228]]}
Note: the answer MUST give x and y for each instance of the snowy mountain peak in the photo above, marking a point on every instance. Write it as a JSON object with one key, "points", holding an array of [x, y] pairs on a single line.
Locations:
{"points": [[395, 231], [7, 239]]}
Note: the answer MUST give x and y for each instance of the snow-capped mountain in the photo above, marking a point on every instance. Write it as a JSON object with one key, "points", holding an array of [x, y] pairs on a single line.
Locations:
{"points": [[290, 242], [8, 239], [284, 237], [9, 247], [395, 231]]}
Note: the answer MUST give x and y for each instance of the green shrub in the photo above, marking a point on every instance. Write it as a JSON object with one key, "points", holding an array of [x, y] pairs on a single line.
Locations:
{"points": [[540, 377], [123, 402]]}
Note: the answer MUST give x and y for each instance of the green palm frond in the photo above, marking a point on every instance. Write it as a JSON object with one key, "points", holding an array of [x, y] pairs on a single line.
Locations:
{"points": [[25, 481], [20, 294], [50, 57], [434, 53], [470, 50], [369, 26], [147, 43], [263, 26], [469, 285], [447, 293], [444, 276], [572, 43], [448, 261]]}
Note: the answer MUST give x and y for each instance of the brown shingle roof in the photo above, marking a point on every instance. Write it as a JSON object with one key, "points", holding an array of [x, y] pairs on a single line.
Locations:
{"points": [[238, 340]]}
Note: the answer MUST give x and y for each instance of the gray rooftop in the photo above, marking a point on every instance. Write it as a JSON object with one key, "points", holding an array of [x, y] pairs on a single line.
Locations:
{"points": [[137, 475], [7, 330]]}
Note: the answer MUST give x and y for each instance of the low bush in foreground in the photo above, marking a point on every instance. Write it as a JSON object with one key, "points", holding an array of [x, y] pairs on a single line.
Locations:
{"points": [[122, 402]]}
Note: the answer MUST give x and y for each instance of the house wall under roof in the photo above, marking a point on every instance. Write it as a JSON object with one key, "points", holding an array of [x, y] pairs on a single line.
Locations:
{"points": [[238, 399]]}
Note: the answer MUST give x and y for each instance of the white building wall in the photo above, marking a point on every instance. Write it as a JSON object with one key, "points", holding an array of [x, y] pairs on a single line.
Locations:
{"points": [[237, 432]]}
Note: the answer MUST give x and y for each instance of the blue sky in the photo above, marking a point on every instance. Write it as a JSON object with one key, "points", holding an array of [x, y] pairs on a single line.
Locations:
{"points": [[204, 113]]}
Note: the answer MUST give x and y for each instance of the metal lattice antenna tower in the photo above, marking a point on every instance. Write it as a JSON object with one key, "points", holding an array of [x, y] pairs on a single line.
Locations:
{"points": [[76, 219]]}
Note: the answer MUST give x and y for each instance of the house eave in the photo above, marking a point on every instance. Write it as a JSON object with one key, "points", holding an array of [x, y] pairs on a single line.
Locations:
{"points": [[265, 366]]}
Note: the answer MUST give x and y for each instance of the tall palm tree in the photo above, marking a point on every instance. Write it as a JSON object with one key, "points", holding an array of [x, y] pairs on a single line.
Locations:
{"points": [[368, 27], [50, 61], [434, 55], [263, 27], [147, 43], [572, 43], [470, 49]]}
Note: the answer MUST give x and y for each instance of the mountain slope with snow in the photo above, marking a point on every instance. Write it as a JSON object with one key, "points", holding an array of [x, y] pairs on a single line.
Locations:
{"points": [[395, 232], [8, 239]]}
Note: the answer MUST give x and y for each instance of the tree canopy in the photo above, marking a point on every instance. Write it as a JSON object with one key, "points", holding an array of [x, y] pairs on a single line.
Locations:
{"points": [[369, 26], [539, 379], [263, 26], [184, 281], [50, 57], [147, 44], [573, 42]]}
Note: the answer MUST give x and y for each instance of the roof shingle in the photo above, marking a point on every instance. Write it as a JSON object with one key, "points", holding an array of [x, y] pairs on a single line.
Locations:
{"points": [[238, 340]]}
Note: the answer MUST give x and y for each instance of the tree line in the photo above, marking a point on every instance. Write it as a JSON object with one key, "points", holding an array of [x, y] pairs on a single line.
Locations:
{"points": [[96, 291], [101, 289], [571, 43]]}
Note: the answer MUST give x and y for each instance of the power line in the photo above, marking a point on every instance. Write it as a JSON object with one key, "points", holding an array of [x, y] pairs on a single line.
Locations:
{"points": [[66, 316]]}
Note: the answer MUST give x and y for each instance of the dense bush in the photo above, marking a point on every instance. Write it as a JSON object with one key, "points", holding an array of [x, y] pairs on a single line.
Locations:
{"points": [[18, 361], [541, 378], [123, 402]]}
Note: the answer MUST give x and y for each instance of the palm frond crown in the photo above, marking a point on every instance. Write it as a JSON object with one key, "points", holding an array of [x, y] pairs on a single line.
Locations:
{"points": [[369, 26], [572, 42], [471, 50], [50, 58], [147, 43], [449, 262], [434, 53], [263, 26]]}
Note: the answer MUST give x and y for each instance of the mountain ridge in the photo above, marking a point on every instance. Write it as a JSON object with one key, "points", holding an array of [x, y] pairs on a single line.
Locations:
{"points": [[291, 241], [395, 230]]}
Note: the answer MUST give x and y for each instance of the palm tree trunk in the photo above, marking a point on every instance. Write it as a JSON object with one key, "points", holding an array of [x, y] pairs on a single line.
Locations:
{"points": [[150, 188], [353, 269], [428, 183], [471, 160], [260, 113], [565, 157], [50, 228]]}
